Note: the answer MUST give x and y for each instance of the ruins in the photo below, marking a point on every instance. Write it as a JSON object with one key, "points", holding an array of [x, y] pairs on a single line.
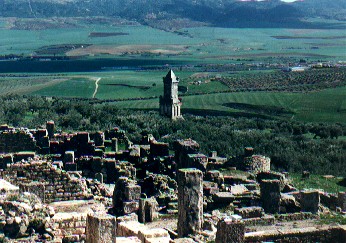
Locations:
{"points": [[101, 187]]}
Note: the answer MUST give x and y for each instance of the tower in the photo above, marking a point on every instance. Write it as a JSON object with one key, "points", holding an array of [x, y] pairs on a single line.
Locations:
{"points": [[169, 102]]}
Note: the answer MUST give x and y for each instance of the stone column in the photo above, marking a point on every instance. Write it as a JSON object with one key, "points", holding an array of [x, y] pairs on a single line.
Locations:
{"points": [[230, 231], [190, 201], [50, 126], [342, 200], [100, 227], [310, 201], [270, 195]]}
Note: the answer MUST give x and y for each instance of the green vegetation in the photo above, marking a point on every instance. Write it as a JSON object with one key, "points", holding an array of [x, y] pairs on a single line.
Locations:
{"points": [[313, 96], [322, 106], [327, 219], [331, 185]]}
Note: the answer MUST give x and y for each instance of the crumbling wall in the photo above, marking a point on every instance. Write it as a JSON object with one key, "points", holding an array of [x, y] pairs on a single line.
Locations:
{"points": [[16, 141], [257, 163], [52, 183]]}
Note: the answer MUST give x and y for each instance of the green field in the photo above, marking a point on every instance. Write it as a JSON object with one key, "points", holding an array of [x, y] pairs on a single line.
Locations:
{"points": [[322, 106], [202, 44], [327, 105]]}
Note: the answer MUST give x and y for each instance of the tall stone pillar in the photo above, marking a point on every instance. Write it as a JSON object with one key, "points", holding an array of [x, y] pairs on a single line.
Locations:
{"points": [[50, 126], [270, 195], [100, 227], [190, 201], [230, 231]]}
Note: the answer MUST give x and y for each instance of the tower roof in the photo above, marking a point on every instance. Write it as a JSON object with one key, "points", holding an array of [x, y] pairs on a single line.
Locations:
{"points": [[171, 75]]}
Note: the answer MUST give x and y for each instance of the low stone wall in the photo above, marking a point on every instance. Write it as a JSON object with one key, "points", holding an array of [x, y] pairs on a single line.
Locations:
{"points": [[265, 220], [296, 216], [45, 180], [70, 227], [301, 235]]}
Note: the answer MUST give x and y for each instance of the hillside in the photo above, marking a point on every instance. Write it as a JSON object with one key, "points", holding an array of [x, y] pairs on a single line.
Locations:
{"points": [[228, 13]]}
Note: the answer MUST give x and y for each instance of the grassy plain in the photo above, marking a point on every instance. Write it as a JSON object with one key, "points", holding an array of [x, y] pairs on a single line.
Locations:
{"points": [[321, 106], [202, 44]]}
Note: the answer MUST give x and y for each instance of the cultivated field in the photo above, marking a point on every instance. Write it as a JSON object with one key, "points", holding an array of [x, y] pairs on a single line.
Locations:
{"points": [[203, 44]]}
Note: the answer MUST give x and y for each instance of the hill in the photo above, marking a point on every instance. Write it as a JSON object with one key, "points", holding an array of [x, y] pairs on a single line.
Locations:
{"points": [[228, 13]]}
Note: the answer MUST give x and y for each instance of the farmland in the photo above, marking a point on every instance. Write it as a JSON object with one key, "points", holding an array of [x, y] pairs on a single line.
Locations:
{"points": [[223, 71], [78, 38]]}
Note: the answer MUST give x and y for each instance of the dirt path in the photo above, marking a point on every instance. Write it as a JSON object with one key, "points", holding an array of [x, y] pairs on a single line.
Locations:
{"points": [[96, 86]]}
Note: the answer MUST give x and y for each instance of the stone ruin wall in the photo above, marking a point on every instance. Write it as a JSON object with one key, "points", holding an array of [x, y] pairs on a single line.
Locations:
{"points": [[257, 163], [42, 178], [16, 141], [71, 227], [303, 235]]}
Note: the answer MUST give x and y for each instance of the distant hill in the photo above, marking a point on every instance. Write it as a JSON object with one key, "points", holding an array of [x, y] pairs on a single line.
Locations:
{"points": [[215, 12]]}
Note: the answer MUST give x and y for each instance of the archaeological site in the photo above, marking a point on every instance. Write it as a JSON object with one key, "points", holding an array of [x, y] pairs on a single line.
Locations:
{"points": [[100, 187]]}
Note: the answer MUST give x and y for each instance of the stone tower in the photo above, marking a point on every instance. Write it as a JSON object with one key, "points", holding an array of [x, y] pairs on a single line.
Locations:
{"points": [[169, 102]]}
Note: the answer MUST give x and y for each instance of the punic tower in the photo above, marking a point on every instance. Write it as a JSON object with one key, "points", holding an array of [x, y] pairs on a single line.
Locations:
{"points": [[169, 102]]}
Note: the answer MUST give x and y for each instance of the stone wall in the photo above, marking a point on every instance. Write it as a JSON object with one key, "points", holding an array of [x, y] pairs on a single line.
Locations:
{"points": [[15, 141], [257, 163], [50, 183], [71, 227], [302, 235]]}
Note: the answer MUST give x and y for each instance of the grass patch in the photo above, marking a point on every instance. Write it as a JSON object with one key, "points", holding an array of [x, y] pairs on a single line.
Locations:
{"points": [[74, 87], [331, 185], [332, 219]]}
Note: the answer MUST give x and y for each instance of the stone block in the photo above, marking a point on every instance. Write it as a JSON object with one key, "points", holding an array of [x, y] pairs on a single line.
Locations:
{"points": [[310, 201], [100, 228], [130, 207], [223, 197], [249, 212], [230, 231], [132, 192], [130, 228], [154, 235], [147, 210]]}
